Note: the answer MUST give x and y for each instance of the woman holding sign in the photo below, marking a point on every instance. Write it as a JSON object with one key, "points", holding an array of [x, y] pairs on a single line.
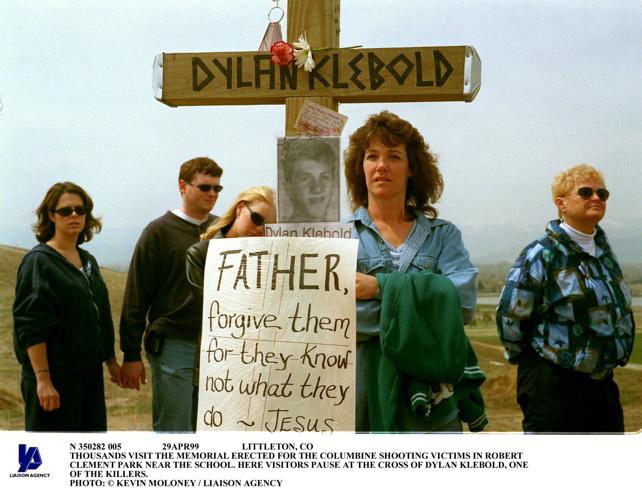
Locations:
{"points": [[415, 288], [63, 329], [246, 217]]}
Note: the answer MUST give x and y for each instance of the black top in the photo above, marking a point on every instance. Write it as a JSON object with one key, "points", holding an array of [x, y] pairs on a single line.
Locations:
{"points": [[157, 295], [195, 265], [64, 307]]}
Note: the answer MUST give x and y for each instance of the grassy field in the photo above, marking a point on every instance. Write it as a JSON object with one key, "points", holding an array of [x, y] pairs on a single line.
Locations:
{"points": [[131, 410]]}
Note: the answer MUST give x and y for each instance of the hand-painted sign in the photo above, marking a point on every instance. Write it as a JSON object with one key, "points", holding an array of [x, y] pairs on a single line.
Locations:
{"points": [[353, 75], [278, 343]]}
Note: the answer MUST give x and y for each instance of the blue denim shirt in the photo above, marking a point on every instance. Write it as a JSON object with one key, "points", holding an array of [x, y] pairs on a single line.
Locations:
{"points": [[432, 245]]}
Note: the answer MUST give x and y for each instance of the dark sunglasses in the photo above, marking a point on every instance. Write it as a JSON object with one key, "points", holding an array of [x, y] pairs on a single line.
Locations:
{"points": [[206, 188], [587, 193], [67, 211], [257, 218]]}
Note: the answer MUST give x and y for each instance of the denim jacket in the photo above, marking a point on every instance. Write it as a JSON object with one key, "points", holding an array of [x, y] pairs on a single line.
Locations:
{"points": [[433, 245]]}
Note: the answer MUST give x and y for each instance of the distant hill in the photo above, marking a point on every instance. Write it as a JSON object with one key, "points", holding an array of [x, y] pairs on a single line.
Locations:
{"points": [[492, 243], [490, 279], [10, 258], [112, 248], [488, 243]]}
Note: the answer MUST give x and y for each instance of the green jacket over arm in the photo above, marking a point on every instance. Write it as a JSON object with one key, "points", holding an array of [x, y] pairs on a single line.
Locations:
{"points": [[423, 342]]}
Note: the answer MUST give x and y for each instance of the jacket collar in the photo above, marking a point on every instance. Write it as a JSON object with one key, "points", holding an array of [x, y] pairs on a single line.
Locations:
{"points": [[558, 234], [361, 215], [44, 248]]}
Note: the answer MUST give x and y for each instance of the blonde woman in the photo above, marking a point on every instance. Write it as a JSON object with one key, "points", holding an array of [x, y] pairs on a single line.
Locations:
{"points": [[247, 216], [565, 317]]}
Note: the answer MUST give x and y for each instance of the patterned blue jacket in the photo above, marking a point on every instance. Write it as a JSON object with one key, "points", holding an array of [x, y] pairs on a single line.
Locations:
{"points": [[572, 308]]}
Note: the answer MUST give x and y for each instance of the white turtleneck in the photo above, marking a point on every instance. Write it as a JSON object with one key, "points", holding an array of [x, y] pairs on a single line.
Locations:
{"points": [[585, 241]]}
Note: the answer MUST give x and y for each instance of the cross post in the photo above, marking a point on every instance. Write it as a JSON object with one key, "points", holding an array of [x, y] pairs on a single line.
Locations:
{"points": [[320, 21]]}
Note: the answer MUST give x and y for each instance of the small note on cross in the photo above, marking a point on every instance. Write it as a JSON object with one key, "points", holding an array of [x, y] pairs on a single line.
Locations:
{"points": [[315, 119]]}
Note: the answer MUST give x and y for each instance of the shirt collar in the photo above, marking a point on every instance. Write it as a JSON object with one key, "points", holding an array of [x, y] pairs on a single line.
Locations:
{"points": [[182, 215], [361, 215]]}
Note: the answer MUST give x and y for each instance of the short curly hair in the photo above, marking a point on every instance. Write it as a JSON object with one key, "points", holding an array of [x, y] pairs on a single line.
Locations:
{"points": [[199, 165], [44, 226], [425, 186], [566, 180]]}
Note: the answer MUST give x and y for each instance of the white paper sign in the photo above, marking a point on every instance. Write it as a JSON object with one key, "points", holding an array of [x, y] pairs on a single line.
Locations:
{"points": [[279, 335]]}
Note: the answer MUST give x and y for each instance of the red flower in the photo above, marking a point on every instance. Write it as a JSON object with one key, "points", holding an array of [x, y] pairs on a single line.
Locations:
{"points": [[282, 53]]}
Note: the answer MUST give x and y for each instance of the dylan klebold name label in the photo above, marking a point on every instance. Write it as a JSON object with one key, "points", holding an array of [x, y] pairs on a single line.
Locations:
{"points": [[278, 338]]}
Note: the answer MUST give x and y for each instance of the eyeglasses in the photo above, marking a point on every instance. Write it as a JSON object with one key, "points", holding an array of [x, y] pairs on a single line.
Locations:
{"points": [[206, 188], [587, 193], [257, 218], [67, 211]]}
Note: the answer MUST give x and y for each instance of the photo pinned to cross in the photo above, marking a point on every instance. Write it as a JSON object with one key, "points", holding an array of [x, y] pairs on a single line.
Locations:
{"points": [[308, 179]]}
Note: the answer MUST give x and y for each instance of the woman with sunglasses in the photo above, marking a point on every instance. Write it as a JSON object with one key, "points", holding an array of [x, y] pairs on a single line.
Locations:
{"points": [[246, 217], [565, 316], [63, 328]]}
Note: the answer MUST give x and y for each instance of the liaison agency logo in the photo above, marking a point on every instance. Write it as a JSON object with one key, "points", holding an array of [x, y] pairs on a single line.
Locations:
{"points": [[29, 459]]}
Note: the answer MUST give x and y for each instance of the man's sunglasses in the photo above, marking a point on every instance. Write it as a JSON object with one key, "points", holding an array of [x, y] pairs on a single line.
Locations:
{"points": [[67, 211], [587, 193], [257, 218], [206, 188]]}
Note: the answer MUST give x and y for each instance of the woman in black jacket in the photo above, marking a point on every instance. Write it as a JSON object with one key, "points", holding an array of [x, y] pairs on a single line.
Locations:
{"points": [[246, 217], [63, 330]]}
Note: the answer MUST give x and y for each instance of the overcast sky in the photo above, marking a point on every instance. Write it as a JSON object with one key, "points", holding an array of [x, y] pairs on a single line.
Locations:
{"points": [[560, 86]]}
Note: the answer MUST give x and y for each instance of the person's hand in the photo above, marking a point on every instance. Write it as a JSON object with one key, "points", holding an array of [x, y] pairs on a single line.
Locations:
{"points": [[48, 396], [115, 371], [132, 374], [366, 287]]}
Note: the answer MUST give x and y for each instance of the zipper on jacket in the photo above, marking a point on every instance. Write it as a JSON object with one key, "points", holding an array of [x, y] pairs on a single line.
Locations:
{"points": [[87, 269]]}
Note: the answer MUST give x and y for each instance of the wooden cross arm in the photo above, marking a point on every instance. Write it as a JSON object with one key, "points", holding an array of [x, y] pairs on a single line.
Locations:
{"points": [[350, 75]]}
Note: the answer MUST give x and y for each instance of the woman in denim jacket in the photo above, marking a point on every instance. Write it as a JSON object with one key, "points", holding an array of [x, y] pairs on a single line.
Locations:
{"points": [[393, 181]]}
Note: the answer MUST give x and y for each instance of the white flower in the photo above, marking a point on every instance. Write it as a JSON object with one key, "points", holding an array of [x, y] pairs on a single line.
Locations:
{"points": [[303, 54]]}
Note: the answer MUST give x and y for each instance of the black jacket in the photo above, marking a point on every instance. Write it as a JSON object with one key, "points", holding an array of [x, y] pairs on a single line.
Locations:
{"points": [[157, 296], [64, 307], [195, 266]]}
